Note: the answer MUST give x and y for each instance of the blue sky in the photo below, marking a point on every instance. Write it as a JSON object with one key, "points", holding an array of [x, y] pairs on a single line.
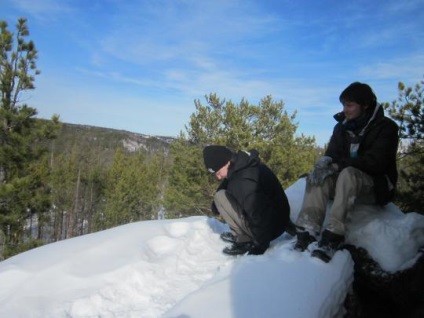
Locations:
{"points": [[138, 65]]}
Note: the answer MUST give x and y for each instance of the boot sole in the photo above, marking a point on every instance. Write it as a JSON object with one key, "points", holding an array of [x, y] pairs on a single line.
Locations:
{"points": [[321, 255], [234, 253], [228, 240]]}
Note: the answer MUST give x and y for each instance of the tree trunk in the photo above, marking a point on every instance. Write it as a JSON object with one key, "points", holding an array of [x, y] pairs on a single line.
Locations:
{"points": [[74, 212], [2, 245]]}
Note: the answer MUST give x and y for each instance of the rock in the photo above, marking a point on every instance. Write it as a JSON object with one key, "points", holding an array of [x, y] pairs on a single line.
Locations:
{"points": [[378, 293]]}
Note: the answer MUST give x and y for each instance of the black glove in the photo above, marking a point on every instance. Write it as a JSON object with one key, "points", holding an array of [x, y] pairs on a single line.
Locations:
{"points": [[323, 168]]}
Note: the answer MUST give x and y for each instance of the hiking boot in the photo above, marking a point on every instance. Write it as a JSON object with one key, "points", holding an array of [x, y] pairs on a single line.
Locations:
{"points": [[247, 247], [238, 248], [303, 241], [258, 249], [228, 237], [328, 245]]}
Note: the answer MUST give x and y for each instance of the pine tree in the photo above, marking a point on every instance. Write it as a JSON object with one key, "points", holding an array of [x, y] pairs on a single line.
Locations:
{"points": [[132, 191], [408, 111], [266, 127], [189, 189], [21, 135]]}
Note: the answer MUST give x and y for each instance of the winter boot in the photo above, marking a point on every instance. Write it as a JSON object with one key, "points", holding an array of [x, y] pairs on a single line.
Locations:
{"points": [[328, 245], [303, 241], [249, 248], [228, 237], [238, 248], [258, 249]]}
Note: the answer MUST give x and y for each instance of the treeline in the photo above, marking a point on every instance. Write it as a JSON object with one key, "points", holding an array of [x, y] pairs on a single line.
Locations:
{"points": [[91, 179], [89, 193], [60, 181]]}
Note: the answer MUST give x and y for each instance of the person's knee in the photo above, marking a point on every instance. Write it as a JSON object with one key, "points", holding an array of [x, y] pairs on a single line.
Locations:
{"points": [[349, 171], [349, 175], [220, 196], [224, 198]]}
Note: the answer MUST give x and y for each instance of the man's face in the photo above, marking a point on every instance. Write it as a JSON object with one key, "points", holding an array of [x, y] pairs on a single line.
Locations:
{"points": [[222, 173], [352, 110]]}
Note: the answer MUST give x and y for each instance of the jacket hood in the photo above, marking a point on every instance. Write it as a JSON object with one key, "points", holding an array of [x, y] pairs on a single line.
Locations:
{"points": [[244, 159]]}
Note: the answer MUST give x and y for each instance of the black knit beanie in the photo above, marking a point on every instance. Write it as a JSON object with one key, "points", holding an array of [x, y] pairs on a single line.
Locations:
{"points": [[216, 157]]}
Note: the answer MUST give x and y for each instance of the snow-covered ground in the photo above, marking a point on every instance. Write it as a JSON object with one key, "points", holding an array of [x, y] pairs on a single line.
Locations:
{"points": [[175, 268]]}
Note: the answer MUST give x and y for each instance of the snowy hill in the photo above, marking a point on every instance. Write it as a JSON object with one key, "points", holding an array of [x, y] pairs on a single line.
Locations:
{"points": [[175, 268]]}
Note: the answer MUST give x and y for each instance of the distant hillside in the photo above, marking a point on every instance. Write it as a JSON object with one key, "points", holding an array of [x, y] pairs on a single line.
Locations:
{"points": [[105, 141]]}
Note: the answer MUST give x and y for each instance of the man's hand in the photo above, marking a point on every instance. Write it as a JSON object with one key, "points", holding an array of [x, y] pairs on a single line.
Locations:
{"points": [[323, 168]]}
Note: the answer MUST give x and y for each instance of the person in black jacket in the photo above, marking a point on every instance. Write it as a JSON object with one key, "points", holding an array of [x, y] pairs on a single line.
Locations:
{"points": [[359, 165], [250, 199]]}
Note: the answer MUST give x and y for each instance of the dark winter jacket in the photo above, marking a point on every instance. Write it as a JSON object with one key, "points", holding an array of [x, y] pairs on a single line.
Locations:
{"points": [[377, 141], [257, 190]]}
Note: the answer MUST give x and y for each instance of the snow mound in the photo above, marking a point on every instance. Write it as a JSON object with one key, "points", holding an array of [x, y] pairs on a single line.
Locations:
{"points": [[176, 268], [169, 268]]}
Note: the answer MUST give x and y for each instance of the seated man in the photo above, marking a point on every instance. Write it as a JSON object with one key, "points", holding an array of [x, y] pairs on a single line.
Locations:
{"points": [[359, 163], [250, 199]]}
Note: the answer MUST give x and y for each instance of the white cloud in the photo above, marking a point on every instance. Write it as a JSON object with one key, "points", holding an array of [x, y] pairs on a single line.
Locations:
{"points": [[405, 68], [43, 9]]}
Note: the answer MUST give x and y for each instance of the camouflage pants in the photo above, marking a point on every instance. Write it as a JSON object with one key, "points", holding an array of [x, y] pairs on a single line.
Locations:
{"points": [[349, 186]]}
